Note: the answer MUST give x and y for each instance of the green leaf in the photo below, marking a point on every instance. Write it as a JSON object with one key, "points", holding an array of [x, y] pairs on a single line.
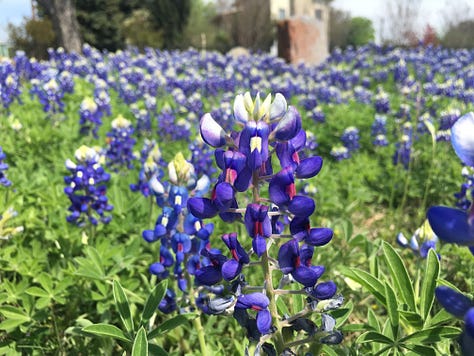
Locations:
{"points": [[37, 292], [156, 350], [328, 350], [298, 303], [46, 282], [440, 317], [123, 306], [399, 274], [420, 349], [372, 284], [372, 320], [10, 312], [282, 307], [106, 330], [414, 319], [429, 283], [353, 328], [392, 309], [432, 335], [171, 324], [140, 344], [342, 314], [11, 324], [154, 300], [373, 336]]}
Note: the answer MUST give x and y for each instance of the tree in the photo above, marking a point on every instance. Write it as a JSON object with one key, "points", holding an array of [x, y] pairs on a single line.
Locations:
{"points": [[100, 22], [170, 17], [339, 25], [251, 25], [460, 35], [400, 20], [429, 36], [200, 31], [62, 14], [361, 31], [139, 31], [33, 36]]}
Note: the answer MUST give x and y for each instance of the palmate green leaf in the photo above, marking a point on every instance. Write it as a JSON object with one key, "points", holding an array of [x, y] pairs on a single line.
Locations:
{"points": [[414, 319], [171, 324], [440, 317], [420, 349], [372, 284], [392, 309], [123, 306], [37, 292], [429, 283], [154, 300], [403, 284], [431, 335], [10, 312], [156, 350], [11, 324], [140, 344], [106, 330], [373, 336], [372, 320]]}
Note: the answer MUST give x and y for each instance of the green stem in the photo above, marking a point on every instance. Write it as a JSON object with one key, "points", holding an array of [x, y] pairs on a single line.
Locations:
{"points": [[267, 273], [150, 209], [428, 179]]}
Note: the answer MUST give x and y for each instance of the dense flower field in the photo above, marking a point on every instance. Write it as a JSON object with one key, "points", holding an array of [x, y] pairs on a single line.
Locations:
{"points": [[195, 203]]}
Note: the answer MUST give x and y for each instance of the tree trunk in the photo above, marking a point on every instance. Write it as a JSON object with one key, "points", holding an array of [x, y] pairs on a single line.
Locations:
{"points": [[63, 16]]}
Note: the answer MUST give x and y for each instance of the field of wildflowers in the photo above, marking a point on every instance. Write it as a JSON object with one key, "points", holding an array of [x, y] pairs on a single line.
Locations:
{"points": [[191, 203]]}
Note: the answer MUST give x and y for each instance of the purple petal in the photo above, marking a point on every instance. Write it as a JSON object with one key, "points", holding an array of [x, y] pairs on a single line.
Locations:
{"points": [[202, 208], [149, 236], [208, 275], [451, 225], [455, 303], [157, 268], [324, 290], [305, 275], [299, 141], [212, 133], [278, 107], [319, 236], [287, 256], [469, 322], [277, 188], [264, 321], [301, 206], [259, 245], [243, 179], [309, 167], [462, 138], [231, 269], [252, 301], [240, 113], [224, 196], [289, 126]]}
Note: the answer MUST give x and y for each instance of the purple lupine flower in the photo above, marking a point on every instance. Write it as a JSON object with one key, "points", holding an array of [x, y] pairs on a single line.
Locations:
{"points": [[245, 160], [340, 153], [258, 302], [296, 260], [258, 226], [461, 307], [90, 117], [350, 138], [120, 144], [3, 168], [86, 189], [232, 267]]}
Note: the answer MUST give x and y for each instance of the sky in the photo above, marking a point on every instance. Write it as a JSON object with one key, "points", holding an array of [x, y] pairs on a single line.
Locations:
{"points": [[12, 11], [432, 12]]}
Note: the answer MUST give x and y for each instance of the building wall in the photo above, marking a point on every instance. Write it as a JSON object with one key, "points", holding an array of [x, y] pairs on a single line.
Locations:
{"points": [[315, 15]]}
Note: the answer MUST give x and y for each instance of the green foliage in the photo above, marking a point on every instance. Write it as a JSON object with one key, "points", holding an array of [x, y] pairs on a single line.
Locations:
{"points": [[138, 341], [459, 35], [170, 17], [34, 36], [361, 31], [138, 30], [410, 319]]}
